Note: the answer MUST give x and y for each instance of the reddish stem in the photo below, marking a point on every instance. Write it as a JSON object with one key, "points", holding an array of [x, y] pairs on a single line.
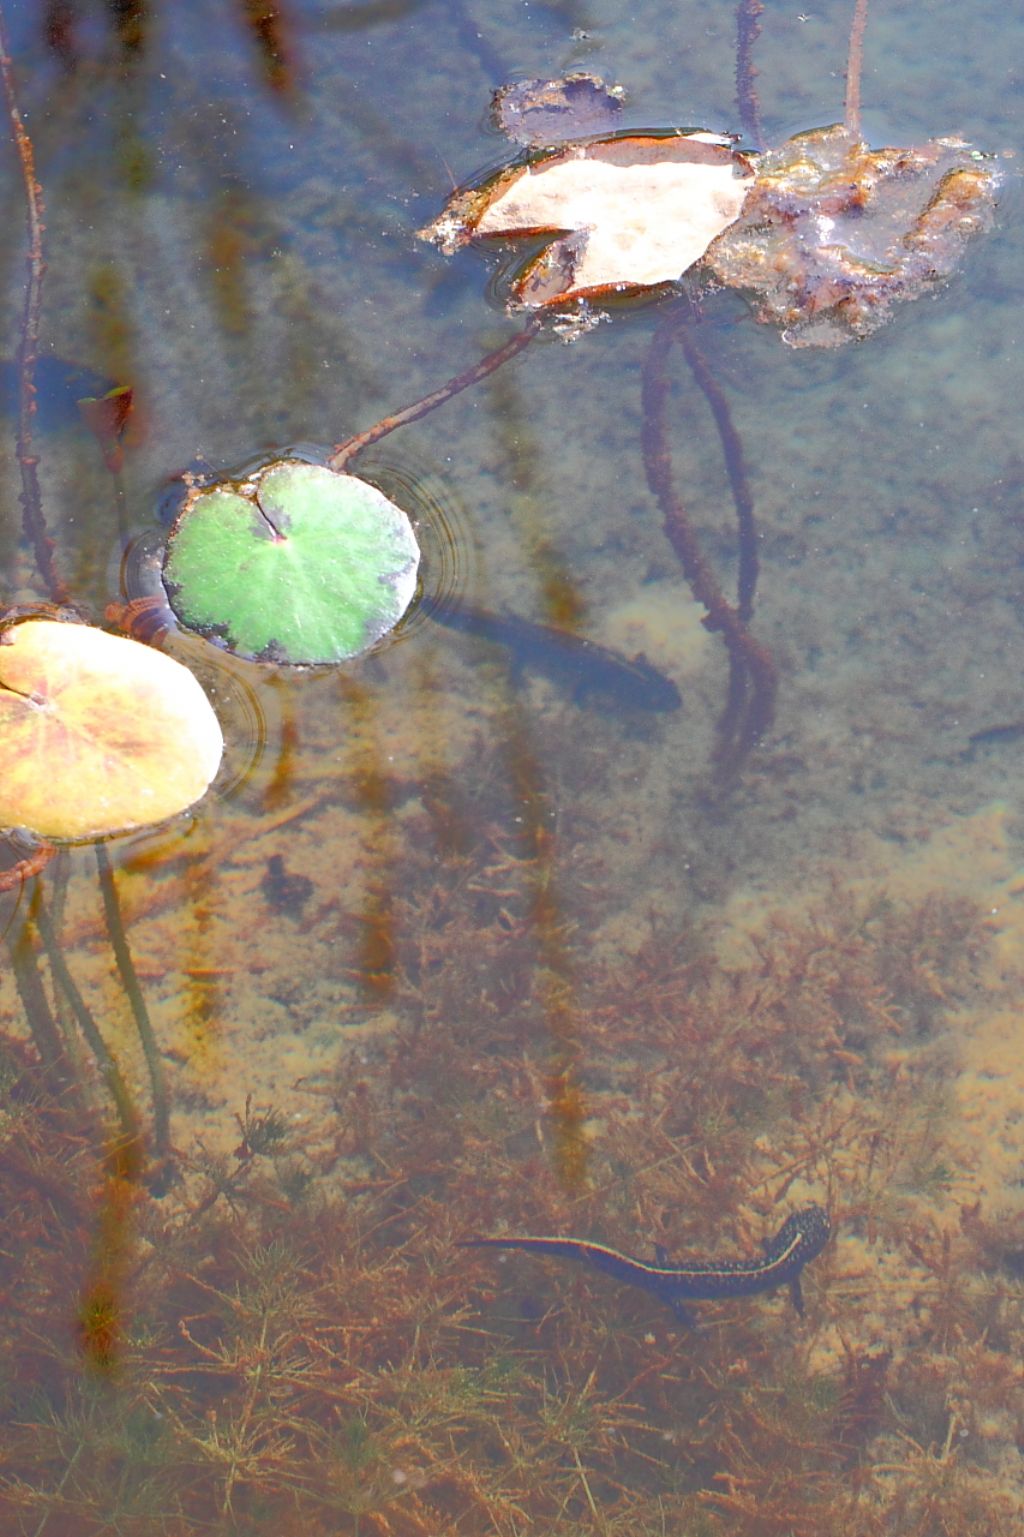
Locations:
{"points": [[28, 350], [31, 864], [736, 468], [749, 713], [345, 451], [748, 30], [854, 61]]}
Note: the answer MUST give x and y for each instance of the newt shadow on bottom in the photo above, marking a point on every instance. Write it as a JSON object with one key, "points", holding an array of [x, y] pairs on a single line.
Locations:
{"points": [[583, 666]]}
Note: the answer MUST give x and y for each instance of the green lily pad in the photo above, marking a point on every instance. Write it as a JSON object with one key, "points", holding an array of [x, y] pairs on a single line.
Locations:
{"points": [[296, 564], [98, 734]]}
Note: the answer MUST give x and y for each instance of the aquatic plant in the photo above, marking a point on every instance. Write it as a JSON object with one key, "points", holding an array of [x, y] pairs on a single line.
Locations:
{"points": [[320, 1356], [825, 234], [292, 564], [291, 1340], [100, 735]]}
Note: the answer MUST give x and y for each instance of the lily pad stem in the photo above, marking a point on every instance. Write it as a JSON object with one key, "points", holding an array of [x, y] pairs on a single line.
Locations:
{"points": [[750, 706], [105, 1061], [133, 992], [30, 864], [748, 30], [854, 61], [34, 521], [343, 452], [41, 1023], [736, 469]]}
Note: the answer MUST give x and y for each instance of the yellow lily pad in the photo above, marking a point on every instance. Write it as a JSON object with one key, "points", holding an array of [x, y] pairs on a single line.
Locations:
{"points": [[98, 734]]}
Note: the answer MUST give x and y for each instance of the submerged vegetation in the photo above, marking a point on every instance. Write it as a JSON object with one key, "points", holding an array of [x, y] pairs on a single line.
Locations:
{"points": [[249, 1319], [291, 1340]]}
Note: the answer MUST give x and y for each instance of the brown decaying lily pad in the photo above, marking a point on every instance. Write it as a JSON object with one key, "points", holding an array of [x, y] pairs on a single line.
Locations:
{"points": [[629, 213], [540, 112], [833, 234], [98, 734]]}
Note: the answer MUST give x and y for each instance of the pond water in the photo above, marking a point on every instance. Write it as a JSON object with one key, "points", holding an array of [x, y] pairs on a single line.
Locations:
{"points": [[456, 948]]}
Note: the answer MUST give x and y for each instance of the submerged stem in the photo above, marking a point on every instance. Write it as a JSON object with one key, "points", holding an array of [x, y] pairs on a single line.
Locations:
{"points": [[30, 864], [736, 469], [33, 519], [854, 61], [143, 1023], [43, 1028], [343, 452], [749, 712], [105, 1061], [748, 30]]}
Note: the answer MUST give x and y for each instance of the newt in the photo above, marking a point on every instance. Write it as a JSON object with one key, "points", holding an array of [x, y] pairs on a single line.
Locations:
{"points": [[800, 1239], [583, 665]]}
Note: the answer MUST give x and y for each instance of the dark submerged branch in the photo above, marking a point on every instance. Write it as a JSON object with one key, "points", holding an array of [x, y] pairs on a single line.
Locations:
{"points": [[28, 349], [736, 469], [748, 30], [345, 451], [750, 705]]}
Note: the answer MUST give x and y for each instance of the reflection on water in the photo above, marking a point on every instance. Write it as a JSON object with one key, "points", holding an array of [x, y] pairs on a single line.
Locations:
{"points": [[451, 952]]}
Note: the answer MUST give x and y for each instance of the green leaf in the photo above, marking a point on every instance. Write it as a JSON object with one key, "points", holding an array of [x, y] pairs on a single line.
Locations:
{"points": [[296, 564], [98, 734]]}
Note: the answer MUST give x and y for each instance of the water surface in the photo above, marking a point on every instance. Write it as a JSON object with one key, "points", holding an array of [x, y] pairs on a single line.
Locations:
{"points": [[450, 951]]}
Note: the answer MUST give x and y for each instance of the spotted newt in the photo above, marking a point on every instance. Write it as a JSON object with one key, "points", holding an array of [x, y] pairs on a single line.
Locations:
{"points": [[800, 1239]]}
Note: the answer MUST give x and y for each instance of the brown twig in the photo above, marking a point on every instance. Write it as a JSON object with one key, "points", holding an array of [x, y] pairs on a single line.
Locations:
{"points": [[854, 61], [28, 349], [750, 706], [748, 30], [345, 451]]}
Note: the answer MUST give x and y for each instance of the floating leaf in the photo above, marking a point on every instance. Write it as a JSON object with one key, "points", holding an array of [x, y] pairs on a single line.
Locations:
{"points": [[295, 564], [98, 734], [833, 234], [539, 112], [629, 213]]}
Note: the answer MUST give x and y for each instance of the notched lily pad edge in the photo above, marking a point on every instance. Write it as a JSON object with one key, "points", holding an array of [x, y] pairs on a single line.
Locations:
{"points": [[245, 483]]}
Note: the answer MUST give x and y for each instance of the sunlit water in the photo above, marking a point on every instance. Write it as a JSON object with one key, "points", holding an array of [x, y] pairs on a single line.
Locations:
{"points": [[452, 949]]}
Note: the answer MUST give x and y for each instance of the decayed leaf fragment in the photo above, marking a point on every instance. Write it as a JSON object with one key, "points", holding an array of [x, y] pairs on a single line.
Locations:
{"points": [[548, 112], [628, 213], [834, 234]]}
